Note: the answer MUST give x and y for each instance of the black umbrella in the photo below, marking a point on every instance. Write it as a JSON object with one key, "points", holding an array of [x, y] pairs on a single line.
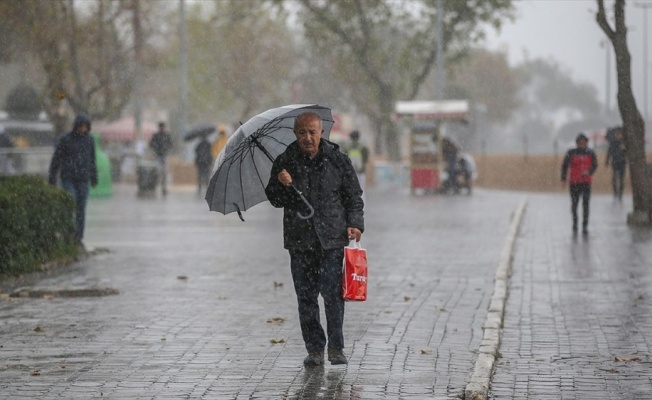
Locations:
{"points": [[243, 167], [198, 131]]}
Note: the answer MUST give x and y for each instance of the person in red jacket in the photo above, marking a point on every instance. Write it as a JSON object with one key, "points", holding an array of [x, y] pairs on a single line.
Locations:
{"points": [[581, 163]]}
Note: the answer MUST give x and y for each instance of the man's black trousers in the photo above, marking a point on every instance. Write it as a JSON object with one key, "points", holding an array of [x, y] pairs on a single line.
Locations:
{"points": [[583, 190], [314, 272]]}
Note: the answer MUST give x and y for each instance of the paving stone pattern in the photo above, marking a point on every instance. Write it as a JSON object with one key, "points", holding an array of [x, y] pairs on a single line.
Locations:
{"points": [[196, 291], [575, 304]]}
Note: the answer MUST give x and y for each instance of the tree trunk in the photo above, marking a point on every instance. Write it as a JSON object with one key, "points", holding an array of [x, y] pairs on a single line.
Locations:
{"points": [[633, 124]]}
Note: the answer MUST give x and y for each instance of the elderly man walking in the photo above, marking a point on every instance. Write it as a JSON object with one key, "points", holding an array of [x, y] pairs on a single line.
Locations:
{"points": [[325, 175]]}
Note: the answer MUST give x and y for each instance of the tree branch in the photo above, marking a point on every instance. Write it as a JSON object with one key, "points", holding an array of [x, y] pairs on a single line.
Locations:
{"points": [[601, 18]]}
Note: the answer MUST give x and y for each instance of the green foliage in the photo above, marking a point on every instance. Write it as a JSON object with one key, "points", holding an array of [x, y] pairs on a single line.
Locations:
{"points": [[386, 51], [36, 224]]}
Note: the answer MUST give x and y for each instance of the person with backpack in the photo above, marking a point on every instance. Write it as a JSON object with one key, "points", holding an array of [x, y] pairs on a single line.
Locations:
{"points": [[579, 166], [203, 162]]}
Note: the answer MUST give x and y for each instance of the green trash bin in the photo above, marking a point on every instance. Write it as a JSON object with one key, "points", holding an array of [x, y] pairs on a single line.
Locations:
{"points": [[103, 188]]}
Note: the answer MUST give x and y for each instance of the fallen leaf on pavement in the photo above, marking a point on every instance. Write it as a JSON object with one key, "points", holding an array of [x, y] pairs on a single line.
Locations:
{"points": [[426, 351], [275, 320], [38, 329], [48, 297], [182, 277], [278, 284], [407, 298], [36, 372], [627, 359], [4, 367], [274, 341]]}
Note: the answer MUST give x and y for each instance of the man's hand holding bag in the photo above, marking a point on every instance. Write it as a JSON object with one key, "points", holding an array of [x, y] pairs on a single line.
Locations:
{"points": [[354, 276]]}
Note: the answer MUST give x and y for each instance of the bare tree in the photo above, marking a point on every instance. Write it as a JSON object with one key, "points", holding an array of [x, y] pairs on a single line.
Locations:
{"points": [[633, 124]]}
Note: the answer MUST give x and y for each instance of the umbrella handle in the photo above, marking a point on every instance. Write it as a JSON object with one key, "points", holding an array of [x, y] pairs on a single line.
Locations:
{"points": [[312, 210]]}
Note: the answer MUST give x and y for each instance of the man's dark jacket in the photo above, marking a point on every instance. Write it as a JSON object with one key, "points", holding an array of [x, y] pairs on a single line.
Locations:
{"points": [[330, 184], [161, 143], [74, 156]]}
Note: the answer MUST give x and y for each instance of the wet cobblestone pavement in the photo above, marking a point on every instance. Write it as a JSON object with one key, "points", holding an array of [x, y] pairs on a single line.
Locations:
{"points": [[201, 296], [576, 305]]}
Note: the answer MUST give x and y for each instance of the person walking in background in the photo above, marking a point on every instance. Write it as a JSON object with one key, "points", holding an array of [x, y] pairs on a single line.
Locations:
{"points": [[359, 155], [449, 153], [219, 142], [326, 177], [618, 160], [74, 159], [161, 144], [581, 162], [6, 158], [203, 162]]}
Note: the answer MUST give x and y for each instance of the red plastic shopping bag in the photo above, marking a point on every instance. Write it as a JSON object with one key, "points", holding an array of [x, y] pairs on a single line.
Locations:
{"points": [[354, 276]]}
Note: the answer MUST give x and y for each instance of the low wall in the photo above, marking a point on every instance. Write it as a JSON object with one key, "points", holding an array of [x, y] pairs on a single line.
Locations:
{"points": [[536, 173], [509, 172]]}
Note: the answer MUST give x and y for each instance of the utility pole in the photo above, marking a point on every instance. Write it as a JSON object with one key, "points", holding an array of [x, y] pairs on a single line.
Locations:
{"points": [[138, 91], [183, 68], [439, 65]]}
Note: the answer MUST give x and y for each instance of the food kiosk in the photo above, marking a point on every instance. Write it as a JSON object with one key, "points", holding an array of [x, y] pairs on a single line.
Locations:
{"points": [[428, 121]]}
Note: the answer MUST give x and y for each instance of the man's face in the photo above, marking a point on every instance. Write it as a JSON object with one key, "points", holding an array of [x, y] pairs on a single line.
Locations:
{"points": [[308, 132], [619, 135], [82, 129], [581, 144]]}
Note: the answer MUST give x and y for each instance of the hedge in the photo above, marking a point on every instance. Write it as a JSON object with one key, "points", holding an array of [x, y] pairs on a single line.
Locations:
{"points": [[36, 224]]}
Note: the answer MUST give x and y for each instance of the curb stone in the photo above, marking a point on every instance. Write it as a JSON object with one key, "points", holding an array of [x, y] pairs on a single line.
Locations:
{"points": [[478, 387]]}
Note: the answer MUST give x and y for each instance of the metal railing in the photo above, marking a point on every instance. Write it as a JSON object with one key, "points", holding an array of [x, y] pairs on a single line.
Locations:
{"points": [[27, 160]]}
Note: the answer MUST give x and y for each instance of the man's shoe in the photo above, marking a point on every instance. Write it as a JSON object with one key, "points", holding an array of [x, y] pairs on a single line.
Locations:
{"points": [[335, 356], [314, 359]]}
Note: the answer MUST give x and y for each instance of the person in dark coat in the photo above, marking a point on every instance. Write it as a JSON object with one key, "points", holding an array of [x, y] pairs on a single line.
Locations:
{"points": [[74, 160], [203, 162], [325, 175], [161, 144], [581, 162], [617, 159]]}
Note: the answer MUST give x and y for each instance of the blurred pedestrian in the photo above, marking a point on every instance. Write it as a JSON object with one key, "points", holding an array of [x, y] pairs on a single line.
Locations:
{"points": [[617, 159], [581, 162], [74, 160], [326, 177], [203, 162], [219, 142], [161, 144], [6, 158], [359, 155], [449, 152]]}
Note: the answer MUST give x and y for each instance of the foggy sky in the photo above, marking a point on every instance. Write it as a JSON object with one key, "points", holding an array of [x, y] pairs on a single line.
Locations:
{"points": [[566, 31]]}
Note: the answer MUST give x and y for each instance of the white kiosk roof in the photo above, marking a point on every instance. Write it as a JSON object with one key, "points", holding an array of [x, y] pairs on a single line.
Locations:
{"points": [[445, 109]]}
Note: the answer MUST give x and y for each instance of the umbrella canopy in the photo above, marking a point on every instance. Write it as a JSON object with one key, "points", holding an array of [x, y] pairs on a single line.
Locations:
{"points": [[242, 168], [197, 131]]}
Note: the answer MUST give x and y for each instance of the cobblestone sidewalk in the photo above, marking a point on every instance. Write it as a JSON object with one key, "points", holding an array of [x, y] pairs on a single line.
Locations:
{"points": [[578, 321], [206, 308]]}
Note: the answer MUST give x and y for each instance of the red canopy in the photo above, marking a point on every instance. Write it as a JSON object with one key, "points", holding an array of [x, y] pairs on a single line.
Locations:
{"points": [[123, 130]]}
